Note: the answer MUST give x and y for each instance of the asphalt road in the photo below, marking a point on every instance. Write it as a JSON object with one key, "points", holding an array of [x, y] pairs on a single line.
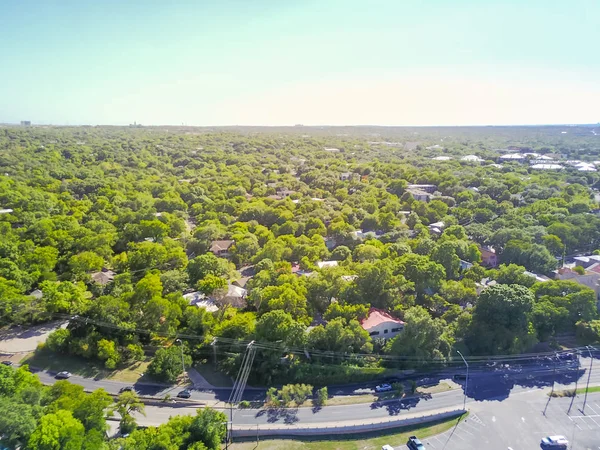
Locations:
{"points": [[520, 423], [484, 383]]}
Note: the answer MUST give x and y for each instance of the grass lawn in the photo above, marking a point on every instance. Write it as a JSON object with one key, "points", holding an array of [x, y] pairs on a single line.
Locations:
{"points": [[573, 392], [213, 376], [440, 387], [79, 366], [369, 441], [131, 373]]}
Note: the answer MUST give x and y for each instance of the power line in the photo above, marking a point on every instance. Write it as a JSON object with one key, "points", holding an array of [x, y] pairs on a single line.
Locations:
{"points": [[270, 346]]}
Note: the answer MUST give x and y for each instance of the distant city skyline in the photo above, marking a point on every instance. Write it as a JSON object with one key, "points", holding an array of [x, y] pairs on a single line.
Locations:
{"points": [[327, 62]]}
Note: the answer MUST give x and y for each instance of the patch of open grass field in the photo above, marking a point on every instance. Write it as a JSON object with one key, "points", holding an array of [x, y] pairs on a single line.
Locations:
{"points": [[573, 392], [46, 360], [371, 441]]}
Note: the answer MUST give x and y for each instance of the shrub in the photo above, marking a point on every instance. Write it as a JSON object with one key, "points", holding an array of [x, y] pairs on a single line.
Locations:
{"points": [[398, 389], [588, 332], [166, 365], [321, 397]]}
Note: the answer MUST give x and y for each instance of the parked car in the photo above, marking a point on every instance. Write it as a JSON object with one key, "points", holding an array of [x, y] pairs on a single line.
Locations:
{"points": [[7, 363], [555, 442], [186, 393], [414, 443], [459, 377], [383, 387], [387, 447], [127, 389], [63, 375]]}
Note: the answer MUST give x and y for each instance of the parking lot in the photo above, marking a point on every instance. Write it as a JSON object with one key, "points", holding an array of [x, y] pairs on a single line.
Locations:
{"points": [[519, 423]]}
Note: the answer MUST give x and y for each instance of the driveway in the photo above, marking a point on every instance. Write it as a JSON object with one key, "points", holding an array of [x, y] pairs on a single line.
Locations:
{"points": [[25, 340]]}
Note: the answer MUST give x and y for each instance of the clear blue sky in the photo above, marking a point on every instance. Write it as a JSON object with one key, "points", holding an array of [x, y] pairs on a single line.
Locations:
{"points": [[278, 62]]}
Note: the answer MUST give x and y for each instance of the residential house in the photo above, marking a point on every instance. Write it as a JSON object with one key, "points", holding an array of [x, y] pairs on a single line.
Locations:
{"points": [[360, 234], [420, 195], [349, 278], [285, 192], [37, 294], [380, 324], [242, 282], [201, 301], [591, 278], [322, 264], [538, 277], [516, 157], [488, 256], [586, 261], [344, 176], [221, 247], [436, 228], [104, 277], [431, 188], [472, 158], [484, 284], [544, 166], [234, 296], [465, 265]]}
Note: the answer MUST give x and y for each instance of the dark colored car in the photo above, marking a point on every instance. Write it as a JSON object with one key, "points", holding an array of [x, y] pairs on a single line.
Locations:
{"points": [[186, 393], [414, 443], [127, 389], [459, 377], [7, 363]]}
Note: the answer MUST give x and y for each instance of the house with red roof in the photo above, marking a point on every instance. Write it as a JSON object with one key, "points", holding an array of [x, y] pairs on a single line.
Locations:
{"points": [[380, 324]]}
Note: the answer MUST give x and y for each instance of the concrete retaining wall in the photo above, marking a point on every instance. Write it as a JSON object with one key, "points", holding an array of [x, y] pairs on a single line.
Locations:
{"points": [[248, 431]]}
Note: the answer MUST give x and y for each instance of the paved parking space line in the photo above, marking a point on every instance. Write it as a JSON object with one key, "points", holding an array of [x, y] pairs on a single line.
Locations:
{"points": [[468, 425], [438, 441], [581, 420], [465, 431], [456, 435], [591, 416], [593, 420]]}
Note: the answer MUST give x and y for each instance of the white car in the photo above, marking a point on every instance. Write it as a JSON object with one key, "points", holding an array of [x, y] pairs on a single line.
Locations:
{"points": [[555, 442], [63, 375], [387, 447], [383, 387]]}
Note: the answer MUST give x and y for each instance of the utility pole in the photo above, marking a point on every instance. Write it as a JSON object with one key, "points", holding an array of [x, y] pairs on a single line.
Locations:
{"points": [[466, 380], [576, 378], [240, 383], [182, 360], [553, 381], [214, 347], [589, 376]]}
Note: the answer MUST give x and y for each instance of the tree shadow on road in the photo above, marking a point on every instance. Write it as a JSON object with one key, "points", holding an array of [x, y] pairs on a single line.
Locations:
{"points": [[288, 415], [394, 407], [498, 385]]}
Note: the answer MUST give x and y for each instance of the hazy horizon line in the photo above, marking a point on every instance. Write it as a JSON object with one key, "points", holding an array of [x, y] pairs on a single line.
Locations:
{"points": [[133, 125]]}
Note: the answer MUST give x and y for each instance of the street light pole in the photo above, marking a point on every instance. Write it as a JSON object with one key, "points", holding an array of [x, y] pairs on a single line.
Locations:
{"points": [[576, 378], [589, 375], [182, 360], [466, 380]]}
